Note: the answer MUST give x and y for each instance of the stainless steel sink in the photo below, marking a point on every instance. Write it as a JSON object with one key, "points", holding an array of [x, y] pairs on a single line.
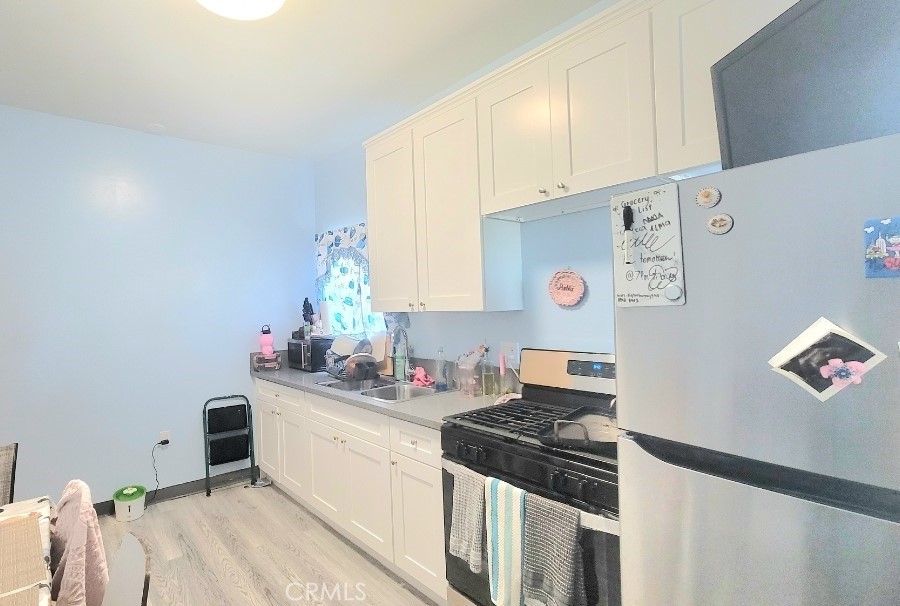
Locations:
{"points": [[398, 393], [359, 385]]}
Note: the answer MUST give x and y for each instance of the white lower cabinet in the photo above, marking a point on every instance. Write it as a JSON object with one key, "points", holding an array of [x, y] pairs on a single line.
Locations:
{"points": [[327, 484], [389, 503], [419, 521], [294, 454], [269, 444], [367, 475], [351, 485]]}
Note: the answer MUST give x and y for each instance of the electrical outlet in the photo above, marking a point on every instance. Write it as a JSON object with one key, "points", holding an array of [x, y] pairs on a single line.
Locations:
{"points": [[510, 349], [165, 435]]}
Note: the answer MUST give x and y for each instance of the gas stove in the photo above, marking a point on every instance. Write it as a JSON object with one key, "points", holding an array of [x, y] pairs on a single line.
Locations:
{"points": [[510, 439]]}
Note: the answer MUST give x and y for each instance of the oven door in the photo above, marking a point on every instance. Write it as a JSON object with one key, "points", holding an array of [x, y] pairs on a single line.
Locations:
{"points": [[600, 549]]}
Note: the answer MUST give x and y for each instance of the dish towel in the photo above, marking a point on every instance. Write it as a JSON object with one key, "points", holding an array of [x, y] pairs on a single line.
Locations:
{"points": [[467, 517], [505, 532], [553, 567]]}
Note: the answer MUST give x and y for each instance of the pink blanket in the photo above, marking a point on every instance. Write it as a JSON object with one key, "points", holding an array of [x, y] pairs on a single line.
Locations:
{"points": [[77, 557]]}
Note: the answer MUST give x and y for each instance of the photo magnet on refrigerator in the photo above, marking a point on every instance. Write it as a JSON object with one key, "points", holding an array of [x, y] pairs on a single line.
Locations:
{"points": [[825, 359], [882, 238]]}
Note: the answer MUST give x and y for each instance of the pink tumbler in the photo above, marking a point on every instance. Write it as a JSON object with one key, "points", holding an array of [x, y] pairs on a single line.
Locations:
{"points": [[266, 341]]}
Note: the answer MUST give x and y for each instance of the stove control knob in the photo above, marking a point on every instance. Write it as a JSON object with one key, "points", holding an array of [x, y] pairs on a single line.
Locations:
{"points": [[480, 455], [557, 480], [582, 488]]}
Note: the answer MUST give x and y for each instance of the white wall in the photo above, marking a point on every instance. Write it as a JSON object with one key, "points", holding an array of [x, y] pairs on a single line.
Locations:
{"points": [[341, 189], [135, 272]]}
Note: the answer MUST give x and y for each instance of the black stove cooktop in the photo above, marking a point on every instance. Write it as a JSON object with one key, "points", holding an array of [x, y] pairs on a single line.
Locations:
{"points": [[521, 417]]}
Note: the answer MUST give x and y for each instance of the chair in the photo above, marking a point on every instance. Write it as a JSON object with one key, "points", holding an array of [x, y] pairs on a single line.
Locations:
{"points": [[129, 574], [8, 456]]}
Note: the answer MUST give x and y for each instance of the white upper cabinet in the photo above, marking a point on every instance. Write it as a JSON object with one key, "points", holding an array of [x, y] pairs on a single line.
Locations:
{"points": [[601, 103], [689, 37], [392, 224], [514, 140], [448, 211]]}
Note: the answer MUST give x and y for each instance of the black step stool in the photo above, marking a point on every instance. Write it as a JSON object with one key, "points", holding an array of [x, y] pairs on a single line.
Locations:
{"points": [[228, 435]]}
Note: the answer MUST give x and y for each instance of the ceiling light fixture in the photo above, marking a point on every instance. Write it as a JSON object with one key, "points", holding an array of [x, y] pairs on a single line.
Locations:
{"points": [[243, 10]]}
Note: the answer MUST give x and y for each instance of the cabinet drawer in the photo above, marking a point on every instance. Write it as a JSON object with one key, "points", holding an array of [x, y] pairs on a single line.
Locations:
{"points": [[422, 444], [290, 399], [364, 424]]}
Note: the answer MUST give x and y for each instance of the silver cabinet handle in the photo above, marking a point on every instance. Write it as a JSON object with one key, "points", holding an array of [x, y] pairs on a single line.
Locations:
{"points": [[422, 305], [343, 441], [542, 190], [412, 306], [335, 438], [561, 185], [393, 462], [278, 413], [413, 442], [272, 412], [277, 396]]}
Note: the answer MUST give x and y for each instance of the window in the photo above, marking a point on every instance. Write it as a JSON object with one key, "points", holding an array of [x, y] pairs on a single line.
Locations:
{"points": [[342, 282]]}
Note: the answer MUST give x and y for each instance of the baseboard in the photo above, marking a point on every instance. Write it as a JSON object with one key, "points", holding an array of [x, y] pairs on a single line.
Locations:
{"points": [[107, 508]]}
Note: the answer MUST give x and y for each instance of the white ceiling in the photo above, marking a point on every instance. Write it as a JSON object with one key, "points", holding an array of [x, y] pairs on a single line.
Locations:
{"points": [[315, 77]]}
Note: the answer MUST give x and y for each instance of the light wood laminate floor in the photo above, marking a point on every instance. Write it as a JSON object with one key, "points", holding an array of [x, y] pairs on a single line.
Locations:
{"points": [[244, 546]]}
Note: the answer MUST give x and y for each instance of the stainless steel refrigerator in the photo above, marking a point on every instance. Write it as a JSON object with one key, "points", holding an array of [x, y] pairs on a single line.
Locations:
{"points": [[737, 485]]}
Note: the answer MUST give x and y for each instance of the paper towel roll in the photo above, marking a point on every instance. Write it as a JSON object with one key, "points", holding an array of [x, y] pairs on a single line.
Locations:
{"points": [[326, 321]]}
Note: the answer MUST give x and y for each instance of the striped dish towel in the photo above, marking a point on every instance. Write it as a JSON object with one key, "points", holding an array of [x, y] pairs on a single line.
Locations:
{"points": [[505, 514], [467, 517]]}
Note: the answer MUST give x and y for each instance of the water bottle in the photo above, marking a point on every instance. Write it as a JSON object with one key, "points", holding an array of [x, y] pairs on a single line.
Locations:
{"points": [[266, 341], [440, 379]]}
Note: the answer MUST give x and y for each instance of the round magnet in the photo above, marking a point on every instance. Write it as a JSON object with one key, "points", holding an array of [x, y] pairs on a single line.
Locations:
{"points": [[709, 197], [720, 224], [673, 292]]}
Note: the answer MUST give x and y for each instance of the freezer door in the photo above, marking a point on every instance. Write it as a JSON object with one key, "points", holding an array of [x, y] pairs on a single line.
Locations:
{"points": [[699, 374], [695, 539]]}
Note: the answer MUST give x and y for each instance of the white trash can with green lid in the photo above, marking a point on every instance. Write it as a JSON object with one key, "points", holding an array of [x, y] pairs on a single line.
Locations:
{"points": [[129, 503]]}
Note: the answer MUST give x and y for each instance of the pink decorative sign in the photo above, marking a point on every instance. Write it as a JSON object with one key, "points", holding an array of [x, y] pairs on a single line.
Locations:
{"points": [[566, 288]]}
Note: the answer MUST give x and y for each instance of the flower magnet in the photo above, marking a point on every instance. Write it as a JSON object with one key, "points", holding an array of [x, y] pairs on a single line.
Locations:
{"points": [[825, 359], [843, 373]]}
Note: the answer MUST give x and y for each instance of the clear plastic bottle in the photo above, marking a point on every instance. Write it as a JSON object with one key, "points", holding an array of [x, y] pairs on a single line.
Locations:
{"points": [[440, 380]]}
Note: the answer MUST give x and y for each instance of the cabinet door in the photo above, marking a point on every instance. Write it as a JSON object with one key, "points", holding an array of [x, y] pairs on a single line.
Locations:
{"points": [[294, 453], [419, 522], [689, 36], [392, 224], [448, 212], [367, 476], [268, 457], [327, 480], [514, 140], [601, 102]]}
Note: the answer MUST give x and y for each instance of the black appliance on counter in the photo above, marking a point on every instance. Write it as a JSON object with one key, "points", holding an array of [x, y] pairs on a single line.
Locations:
{"points": [[822, 74], [507, 442], [309, 354]]}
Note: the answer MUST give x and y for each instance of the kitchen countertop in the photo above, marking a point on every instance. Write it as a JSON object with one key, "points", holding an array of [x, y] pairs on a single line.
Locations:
{"points": [[427, 411]]}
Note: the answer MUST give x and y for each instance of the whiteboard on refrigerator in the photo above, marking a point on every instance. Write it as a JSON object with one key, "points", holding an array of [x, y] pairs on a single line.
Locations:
{"points": [[648, 260]]}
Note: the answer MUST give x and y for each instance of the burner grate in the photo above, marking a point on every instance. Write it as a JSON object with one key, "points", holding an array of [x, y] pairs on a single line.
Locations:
{"points": [[518, 416]]}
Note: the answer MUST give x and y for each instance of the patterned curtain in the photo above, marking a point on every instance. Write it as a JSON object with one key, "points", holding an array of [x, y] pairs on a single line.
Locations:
{"points": [[342, 281]]}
